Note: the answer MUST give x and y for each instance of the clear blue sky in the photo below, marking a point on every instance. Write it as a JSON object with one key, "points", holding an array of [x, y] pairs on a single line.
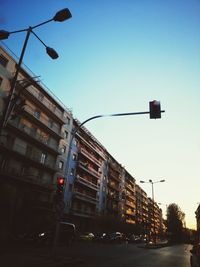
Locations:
{"points": [[116, 56]]}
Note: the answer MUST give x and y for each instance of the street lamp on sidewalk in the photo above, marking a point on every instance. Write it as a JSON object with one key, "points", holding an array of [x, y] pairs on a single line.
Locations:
{"points": [[60, 16], [152, 188]]}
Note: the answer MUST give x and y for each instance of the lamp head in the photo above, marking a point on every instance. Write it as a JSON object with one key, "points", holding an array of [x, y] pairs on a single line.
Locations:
{"points": [[4, 34], [62, 15], [162, 181], [51, 52], [142, 182]]}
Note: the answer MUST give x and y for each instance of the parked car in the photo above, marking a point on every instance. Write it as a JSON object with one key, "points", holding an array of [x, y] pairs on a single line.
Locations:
{"points": [[87, 236], [67, 233], [115, 237]]}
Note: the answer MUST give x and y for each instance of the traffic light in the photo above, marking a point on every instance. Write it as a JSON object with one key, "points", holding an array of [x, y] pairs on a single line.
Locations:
{"points": [[155, 111], [60, 187]]}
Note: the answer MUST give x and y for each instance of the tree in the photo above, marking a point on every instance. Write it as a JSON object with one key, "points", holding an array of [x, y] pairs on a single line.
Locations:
{"points": [[175, 223]]}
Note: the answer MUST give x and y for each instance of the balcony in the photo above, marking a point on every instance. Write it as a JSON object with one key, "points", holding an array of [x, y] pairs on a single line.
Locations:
{"points": [[115, 166], [130, 196], [85, 197], [130, 221], [130, 204], [40, 100], [88, 169], [130, 187], [90, 156], [87, 183], [114, 175], [114, 186], [14, 174], [33, 157], [43, 122], [28, 134], [130, 212], [113, 197], [94, 148], [82, 213]]}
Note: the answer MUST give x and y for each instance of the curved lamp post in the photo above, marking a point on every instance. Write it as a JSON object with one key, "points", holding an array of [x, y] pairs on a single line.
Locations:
{"points": [[152, 187], [60, 16]]}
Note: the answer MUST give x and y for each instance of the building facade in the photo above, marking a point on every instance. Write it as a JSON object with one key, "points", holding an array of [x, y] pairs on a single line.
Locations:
{"points": [[33, 149], [84, 192]]}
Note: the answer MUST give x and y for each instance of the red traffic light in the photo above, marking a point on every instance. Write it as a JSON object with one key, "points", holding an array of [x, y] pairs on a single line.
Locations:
{"points": [[155, 111], [60, 181]]}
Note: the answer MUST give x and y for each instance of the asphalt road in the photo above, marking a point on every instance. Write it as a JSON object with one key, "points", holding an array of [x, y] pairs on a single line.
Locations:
{"points": [[91, 254], [128, 256]]}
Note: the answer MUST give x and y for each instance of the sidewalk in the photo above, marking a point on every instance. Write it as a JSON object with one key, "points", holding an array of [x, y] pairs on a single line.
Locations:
{"points": [[154, 246]]}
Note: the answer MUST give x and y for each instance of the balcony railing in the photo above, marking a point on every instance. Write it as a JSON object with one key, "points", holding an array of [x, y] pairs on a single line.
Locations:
{"points": [[87, 183], [85, 197], [115, 175], [131, 204], [130, 221], [116, 187], [34, 134], [54, 127], [95, 149], [89, 169], [83, 213], [33, 155], [130, 187], [28, 178], [90, 156], [130, 212]]}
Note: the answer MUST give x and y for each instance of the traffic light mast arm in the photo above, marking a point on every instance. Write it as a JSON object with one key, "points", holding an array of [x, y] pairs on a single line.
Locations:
{"points": [[110, 115], [97, 117]]}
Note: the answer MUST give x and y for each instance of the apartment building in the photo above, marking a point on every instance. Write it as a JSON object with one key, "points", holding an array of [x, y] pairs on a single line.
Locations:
{"points": [[114, 187], [85, 190], [130, 198], [33, 149], [142, 218], [154, 218]]}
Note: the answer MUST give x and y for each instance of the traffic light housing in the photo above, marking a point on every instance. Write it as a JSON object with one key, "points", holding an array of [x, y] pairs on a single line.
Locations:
{"points": [[155, 110], [60, 187]]}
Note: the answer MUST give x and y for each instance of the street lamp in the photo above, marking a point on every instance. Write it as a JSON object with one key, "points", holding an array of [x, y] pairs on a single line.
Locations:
{"points": [[60, 16], [152, 187]]}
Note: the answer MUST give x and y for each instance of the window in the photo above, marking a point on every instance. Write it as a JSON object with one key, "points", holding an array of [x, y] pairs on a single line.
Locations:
{"points": [[74, 157], [3, 60], [63, 149], [68, 121], [60, 165], [43, 158], [65, 134], [37, 114], [40, 96], [72, 171], [50, 123], [1, 79]]}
